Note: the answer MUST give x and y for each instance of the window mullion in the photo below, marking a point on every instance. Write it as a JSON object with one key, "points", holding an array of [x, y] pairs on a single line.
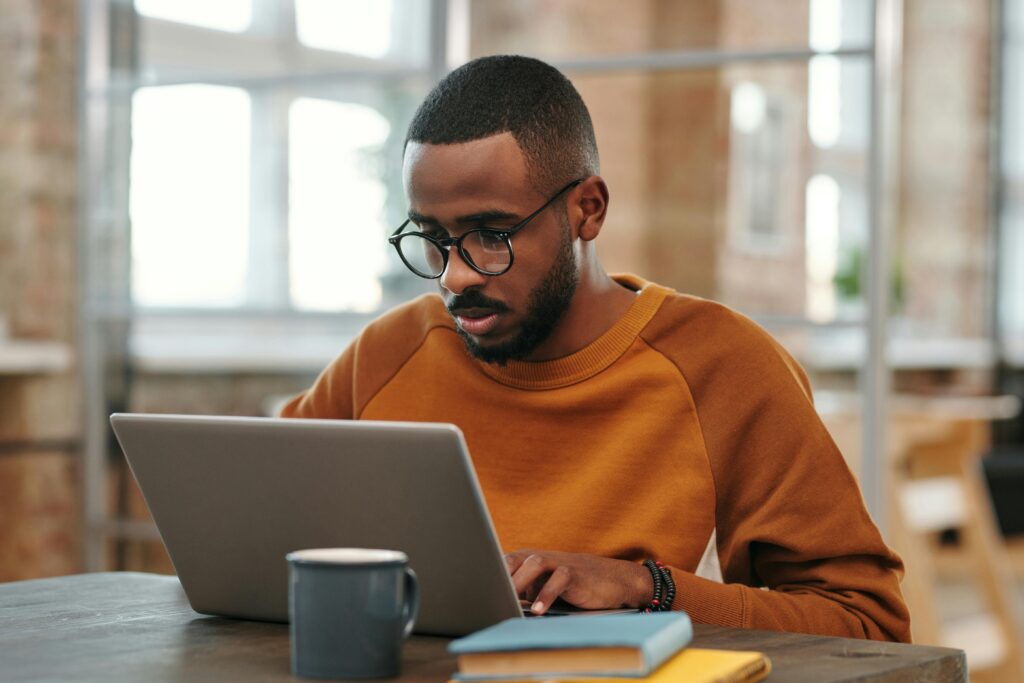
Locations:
{"points": [[267, 280]]}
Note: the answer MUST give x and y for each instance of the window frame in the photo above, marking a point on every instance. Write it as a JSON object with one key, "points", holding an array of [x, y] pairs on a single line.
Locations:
{"points": [[271, 34]]}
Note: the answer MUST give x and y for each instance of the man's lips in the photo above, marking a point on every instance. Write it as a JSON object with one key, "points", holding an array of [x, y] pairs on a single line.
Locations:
{"points": [[476, 322]]}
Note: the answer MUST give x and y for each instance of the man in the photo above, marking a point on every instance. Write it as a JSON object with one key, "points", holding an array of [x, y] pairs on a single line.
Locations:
{"points": [[611, 420]]}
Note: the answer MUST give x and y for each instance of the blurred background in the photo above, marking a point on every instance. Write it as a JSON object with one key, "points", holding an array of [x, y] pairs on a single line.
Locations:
{"points": [[194, 199]]}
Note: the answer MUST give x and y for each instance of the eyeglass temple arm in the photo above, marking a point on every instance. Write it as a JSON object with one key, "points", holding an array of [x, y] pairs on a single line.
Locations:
{"points": [[401, 227], [515, 228], [521, 224]]}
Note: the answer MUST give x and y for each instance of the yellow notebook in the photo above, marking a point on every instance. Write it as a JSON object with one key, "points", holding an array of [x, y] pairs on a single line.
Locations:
{"points": [[695, 665], [691, 665]]}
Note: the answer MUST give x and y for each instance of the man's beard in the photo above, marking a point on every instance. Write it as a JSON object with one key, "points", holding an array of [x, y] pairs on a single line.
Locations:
{"points": [[548, 303]]}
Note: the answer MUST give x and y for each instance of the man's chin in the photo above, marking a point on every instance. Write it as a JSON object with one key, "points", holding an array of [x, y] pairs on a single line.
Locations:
{"points": [[496, 353]]}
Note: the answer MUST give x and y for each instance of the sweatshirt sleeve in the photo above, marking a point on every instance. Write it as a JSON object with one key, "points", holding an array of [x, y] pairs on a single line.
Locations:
{"points": [[378, 352], [331, 396], [789, 515]]}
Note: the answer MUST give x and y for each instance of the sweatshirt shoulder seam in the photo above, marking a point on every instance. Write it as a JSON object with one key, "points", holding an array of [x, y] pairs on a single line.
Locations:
{"points": [[399, 366], [696, 411]]}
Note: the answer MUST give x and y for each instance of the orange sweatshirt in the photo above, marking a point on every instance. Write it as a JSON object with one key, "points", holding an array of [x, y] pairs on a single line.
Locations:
{"points": [[685, 433]]}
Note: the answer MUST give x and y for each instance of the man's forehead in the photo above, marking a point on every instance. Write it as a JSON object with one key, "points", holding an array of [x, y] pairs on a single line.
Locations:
{"points": [[479, 168]]}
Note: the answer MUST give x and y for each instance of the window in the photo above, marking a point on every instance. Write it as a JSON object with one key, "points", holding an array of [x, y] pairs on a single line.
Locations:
{"points": [[265, 159], [1011, 253], [822, 246], [189, 195], [353, 26], [336, 229], [758, 147], [225, 15]]}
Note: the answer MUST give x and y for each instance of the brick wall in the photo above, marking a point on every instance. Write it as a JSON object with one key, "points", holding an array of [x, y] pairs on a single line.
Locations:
{"points": [[945, 180], [39, 419], [665, 145]]}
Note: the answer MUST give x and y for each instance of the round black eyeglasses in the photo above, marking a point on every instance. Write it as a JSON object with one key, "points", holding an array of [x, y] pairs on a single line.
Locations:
{"points": [[488, 251]]}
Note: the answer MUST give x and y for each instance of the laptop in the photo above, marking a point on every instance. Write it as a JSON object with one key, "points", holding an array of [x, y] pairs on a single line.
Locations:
{"points": [[232, 495]]}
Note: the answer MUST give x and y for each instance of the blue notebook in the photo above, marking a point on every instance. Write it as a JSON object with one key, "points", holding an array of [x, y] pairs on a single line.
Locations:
{"points": [[600, 645]]}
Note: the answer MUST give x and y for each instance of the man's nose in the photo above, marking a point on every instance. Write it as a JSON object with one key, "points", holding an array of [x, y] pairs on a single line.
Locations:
{"points": [[459, 276]]}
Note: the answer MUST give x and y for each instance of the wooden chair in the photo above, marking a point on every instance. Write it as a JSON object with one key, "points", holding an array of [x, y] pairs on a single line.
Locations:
{"points": [[935, 483]]}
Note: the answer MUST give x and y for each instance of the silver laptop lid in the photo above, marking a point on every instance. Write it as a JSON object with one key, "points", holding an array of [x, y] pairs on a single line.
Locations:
{"points": [[231, 496]]}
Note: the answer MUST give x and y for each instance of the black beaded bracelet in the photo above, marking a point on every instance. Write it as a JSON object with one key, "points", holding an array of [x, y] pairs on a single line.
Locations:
{"points": [[664, 587]]}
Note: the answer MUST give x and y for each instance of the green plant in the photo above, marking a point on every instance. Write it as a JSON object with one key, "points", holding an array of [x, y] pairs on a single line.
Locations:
{"points": [[847, 279]]}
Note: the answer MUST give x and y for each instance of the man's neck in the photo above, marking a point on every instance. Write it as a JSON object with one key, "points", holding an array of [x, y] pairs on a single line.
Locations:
{"points": [[598, 304]]}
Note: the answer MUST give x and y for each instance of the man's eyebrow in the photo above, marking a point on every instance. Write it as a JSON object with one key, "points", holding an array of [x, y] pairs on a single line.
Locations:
{"points": [[482, 217], [419, 218]]}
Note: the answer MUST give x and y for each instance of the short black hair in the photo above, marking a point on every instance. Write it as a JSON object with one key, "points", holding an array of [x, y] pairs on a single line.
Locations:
{"points": [[523, 96]]}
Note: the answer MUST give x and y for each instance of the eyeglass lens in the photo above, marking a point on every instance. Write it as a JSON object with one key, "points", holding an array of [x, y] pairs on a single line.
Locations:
{"points": [[486, 251]]}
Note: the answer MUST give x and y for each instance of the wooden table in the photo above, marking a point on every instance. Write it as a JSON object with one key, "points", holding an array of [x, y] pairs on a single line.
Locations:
{"points": [[139, 627]]}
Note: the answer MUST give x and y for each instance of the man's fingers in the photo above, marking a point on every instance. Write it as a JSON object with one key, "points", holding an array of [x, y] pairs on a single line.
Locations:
{"points": [[529, 570], [514, 560], [554, 587], [586, 581]]}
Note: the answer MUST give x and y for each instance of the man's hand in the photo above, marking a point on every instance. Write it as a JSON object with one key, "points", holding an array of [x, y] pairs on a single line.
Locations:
{"points": [[585, 581]]}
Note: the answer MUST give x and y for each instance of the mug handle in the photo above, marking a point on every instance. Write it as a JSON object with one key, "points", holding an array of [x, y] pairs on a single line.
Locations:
{"points": [[411, 608]]}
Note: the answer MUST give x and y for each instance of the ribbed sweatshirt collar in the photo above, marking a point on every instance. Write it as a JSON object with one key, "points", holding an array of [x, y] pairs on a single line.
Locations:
{"points": [[591, 359]]}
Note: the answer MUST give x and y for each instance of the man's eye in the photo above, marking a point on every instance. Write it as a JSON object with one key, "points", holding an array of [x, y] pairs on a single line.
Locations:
{"points": [[489, 230], [429, 231]]}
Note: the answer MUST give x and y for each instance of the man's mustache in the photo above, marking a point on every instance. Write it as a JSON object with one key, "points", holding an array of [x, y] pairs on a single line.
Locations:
{"points": [[474, 299]]}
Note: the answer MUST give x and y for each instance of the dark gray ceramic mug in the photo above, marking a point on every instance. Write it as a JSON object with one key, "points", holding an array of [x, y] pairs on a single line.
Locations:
{"points": [[350, 611]]}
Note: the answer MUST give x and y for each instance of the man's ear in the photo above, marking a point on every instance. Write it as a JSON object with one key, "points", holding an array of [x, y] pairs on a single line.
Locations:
{"points": [[592, 206]]}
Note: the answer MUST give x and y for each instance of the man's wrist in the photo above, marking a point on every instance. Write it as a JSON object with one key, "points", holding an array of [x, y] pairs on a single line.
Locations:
{"points": [[643, 587]]}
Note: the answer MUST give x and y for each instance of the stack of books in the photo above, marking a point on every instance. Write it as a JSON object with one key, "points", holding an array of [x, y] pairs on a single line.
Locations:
{"points": [[604, 649]]}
